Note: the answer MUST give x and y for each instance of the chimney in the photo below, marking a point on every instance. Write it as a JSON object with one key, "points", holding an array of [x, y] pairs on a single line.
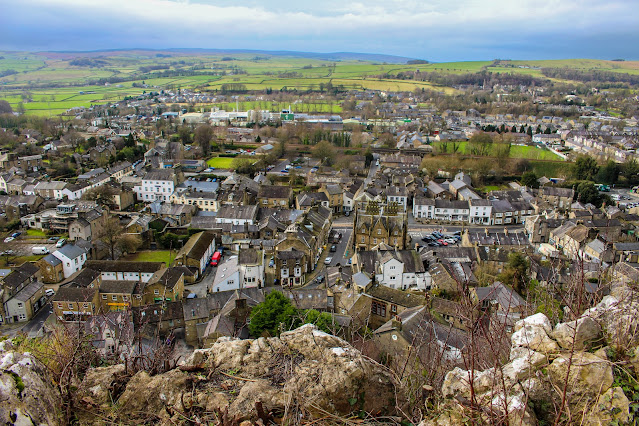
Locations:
{"points": [[486, 231], [396, 323], [506, 231]]}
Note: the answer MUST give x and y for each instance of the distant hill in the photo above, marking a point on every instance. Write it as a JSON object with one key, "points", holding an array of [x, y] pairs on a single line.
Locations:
{"points": [[333, 56]]}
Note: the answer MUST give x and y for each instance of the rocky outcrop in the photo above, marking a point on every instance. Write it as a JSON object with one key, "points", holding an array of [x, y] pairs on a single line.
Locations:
{"points": [[27, 394], [303, 373], [545, 363]]}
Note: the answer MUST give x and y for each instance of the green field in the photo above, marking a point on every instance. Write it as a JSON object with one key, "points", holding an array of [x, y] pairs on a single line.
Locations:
{"points": [[166, 256], [220, 162], [50, 83], [516, 151]]}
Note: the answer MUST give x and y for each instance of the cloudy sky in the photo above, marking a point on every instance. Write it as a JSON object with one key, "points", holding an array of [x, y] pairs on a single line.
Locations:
{"points": [[437, 30]]}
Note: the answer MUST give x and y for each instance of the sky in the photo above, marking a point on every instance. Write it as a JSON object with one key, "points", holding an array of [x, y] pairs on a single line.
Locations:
{"points": [[435, 30]]}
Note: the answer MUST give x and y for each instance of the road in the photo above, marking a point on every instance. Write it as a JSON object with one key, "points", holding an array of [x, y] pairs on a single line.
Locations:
{"points": [[201, 288], [342, 249], [33, 327]]}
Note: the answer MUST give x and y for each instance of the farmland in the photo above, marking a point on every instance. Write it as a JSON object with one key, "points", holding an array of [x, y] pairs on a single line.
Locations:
{"points": [[50, 83]]}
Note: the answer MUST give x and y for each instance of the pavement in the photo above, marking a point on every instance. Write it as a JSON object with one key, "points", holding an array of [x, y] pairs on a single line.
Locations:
{"points": [[201, 288]]}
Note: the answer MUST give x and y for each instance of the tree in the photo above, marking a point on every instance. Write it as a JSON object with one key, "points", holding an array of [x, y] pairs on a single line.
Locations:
{"points": [[243, 165], [480, 144], [323, 320], [110, 234], [529, 179], [5, 107], [184, 133], [75, 139], [609, 173], [102, 194], [325, 152], [202, 137], [273, 315], [516, 273], [630, 170], [585, 168], [587, 193]]}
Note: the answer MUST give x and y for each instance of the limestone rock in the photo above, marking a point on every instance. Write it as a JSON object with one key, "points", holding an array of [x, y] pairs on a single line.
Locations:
{"points": [[27, 393], [589, 375], [534, 337], [612, 406], [581, 332], [305, 367], [537, 320]]}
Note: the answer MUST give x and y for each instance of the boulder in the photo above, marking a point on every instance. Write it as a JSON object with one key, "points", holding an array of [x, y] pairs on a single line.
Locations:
{"points": [[27, 392], [618, 318], [534, 337], [612, 407], [588, 376], [577, 334], [314, 371], [537, 320]]}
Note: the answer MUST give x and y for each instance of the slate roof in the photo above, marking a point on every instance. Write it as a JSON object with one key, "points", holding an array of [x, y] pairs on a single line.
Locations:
{"points": [[119, 286], [123, 266], [397, 297]]}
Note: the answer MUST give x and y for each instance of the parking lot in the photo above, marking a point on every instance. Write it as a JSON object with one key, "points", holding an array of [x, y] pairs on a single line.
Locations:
{"points": [[23, 247], [436, 238]]}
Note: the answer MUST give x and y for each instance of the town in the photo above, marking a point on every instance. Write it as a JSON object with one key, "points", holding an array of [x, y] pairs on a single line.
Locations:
{"points": [[402, 225]]}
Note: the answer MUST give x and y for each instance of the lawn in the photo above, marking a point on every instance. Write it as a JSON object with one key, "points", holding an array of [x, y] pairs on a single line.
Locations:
{"points": [[220, 162], [516, 151], [35, 233], [166, 256]]}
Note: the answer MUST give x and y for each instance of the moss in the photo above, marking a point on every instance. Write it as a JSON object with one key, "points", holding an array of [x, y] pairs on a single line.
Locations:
{"points": [[19, 382]]}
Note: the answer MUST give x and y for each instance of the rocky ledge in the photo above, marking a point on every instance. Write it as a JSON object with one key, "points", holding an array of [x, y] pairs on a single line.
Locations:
{"points": [[570, 362], [303, 374]]}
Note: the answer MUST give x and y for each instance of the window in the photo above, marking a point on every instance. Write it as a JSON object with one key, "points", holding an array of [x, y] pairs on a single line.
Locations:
{"points": [[70, 305], [19, 304], [391, 267], [114, 297], [85, 305], [104, 297], [156, 292], [392, 277], [378, 308], [394, 309], [59, 305], [379, 232], [231, 282]]}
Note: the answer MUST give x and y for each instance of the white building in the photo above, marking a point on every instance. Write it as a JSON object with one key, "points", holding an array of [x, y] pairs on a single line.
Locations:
{"points": [[227, 276], [397, 269], [452, 210], [251, 268], [72, 258], [156, 185], [423, 207], [480, 211]]}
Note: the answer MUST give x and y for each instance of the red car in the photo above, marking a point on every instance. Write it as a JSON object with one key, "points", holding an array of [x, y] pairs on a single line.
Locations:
{"points": [[216, 258], [442, 242]]}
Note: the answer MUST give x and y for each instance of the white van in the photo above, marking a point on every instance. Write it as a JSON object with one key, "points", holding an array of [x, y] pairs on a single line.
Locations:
{"points": [[40, 250]]}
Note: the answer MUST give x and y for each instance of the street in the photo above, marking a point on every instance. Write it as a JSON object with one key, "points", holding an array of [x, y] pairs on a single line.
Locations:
{"points": [[33, 327], [342, 249]]}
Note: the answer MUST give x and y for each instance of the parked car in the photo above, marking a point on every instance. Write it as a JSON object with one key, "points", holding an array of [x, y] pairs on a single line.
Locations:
{"points": [[16, 234], [9, 239], [49, 292], [451, 240], [333, 248], [319, 278], [53, 239], [442, 242], [328, 260], [438, 235], [61, 243], [271, 263]]}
